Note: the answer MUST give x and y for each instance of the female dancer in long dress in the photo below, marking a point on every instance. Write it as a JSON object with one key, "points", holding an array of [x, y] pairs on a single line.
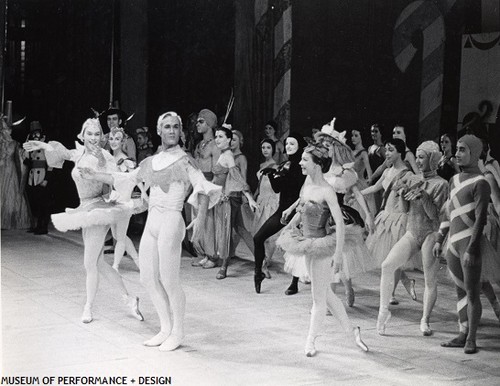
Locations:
{"points": [[94, 215], [267, 199], [123, 243], [390, 222], [229, 178], [286, 180], [14, 205], [170, 175], [306, 234], [426, 194]]}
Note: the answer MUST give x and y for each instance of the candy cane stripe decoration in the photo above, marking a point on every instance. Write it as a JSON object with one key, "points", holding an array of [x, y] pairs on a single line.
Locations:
{"points": [[424, 17]]}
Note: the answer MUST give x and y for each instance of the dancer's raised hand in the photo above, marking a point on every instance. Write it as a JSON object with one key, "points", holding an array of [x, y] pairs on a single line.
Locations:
{"points": [[35, 145]]}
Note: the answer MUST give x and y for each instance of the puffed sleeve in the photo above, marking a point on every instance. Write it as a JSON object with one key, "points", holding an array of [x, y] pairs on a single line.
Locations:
{"points": [[235, 182], [201, 186], [342, 182], [58, 153]]}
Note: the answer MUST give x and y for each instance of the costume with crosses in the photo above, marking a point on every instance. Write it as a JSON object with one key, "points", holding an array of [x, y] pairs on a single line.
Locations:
{"points": [[37, 185]]}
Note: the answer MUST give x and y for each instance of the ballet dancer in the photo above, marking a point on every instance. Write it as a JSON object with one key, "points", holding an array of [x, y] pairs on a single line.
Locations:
{"points": [[170, 175], [306, 234], [95, 215], [426, 194]]}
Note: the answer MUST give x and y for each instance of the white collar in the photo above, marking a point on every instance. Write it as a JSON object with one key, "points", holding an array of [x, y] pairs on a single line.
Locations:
{"points": [[167, 157]]}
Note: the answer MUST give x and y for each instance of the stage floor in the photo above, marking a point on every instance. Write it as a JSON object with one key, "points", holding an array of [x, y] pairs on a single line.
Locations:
{"points": [[233, 335]]}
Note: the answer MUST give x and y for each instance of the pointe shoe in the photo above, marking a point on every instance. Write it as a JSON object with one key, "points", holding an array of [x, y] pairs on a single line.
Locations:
{"points": [[310, 349], [133, 304], [393, 301], [87, 315], [292, 290], [115, 267], [383, 318], [171, 343], [357, 339], [222, 273], [157, 340], [470, 347], [409, 285], [199, 263], [257, 280], [425, 328], [349, 293]]}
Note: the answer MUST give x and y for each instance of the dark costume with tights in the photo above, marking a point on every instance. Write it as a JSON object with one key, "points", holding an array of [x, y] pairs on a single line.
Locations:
{"points": [[286, 180]]}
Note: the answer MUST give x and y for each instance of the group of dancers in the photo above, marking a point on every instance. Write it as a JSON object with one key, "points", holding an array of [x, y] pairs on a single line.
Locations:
{"points": [[318, 206]]}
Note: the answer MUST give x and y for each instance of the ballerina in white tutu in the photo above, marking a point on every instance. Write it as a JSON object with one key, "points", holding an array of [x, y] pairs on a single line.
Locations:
{"points": [[95, 214], [170, 174], [306, 234]]}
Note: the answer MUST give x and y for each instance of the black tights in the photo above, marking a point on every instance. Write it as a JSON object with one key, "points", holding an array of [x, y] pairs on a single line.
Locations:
{"points": [[269, 228]]}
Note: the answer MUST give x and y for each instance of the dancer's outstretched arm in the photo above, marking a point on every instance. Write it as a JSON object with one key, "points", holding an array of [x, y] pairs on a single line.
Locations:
{"points": [[90, 174]]}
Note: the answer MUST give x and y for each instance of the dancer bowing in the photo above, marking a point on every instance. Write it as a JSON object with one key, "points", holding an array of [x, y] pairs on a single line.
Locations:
{"points": [[426, 194], [170, 175], [95, 214], [306, 234]]}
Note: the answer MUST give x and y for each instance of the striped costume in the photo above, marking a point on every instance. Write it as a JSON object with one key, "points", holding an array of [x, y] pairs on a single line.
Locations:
{"points": [[467, 213]]}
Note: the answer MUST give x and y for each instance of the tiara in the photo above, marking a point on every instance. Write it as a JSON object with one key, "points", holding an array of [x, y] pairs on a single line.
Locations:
{"points": [[329, 129]]}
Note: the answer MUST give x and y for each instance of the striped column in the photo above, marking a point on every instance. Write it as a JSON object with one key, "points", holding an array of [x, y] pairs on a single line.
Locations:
{"points": [[424, 17], [282, 65]]}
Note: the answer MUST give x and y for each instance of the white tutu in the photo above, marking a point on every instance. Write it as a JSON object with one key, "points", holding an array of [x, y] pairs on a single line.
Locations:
{"points": [[96, 212]]}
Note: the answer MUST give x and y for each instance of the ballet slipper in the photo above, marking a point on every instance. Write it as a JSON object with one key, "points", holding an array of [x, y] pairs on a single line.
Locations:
{"points": [[172, 342], [133, 304], [358, 340], [383, 318], [157, 340], [87, 314], [425, 328], [310, 349]]}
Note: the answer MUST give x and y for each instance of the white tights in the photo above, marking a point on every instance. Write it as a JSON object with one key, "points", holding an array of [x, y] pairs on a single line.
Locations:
{"points": [[400, 253], [123, 243], [93, 241], [323, 296], [160, 258]]}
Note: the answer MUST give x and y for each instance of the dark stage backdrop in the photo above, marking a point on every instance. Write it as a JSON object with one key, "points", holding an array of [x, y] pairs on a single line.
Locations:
{"points": [[344, 65]]}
